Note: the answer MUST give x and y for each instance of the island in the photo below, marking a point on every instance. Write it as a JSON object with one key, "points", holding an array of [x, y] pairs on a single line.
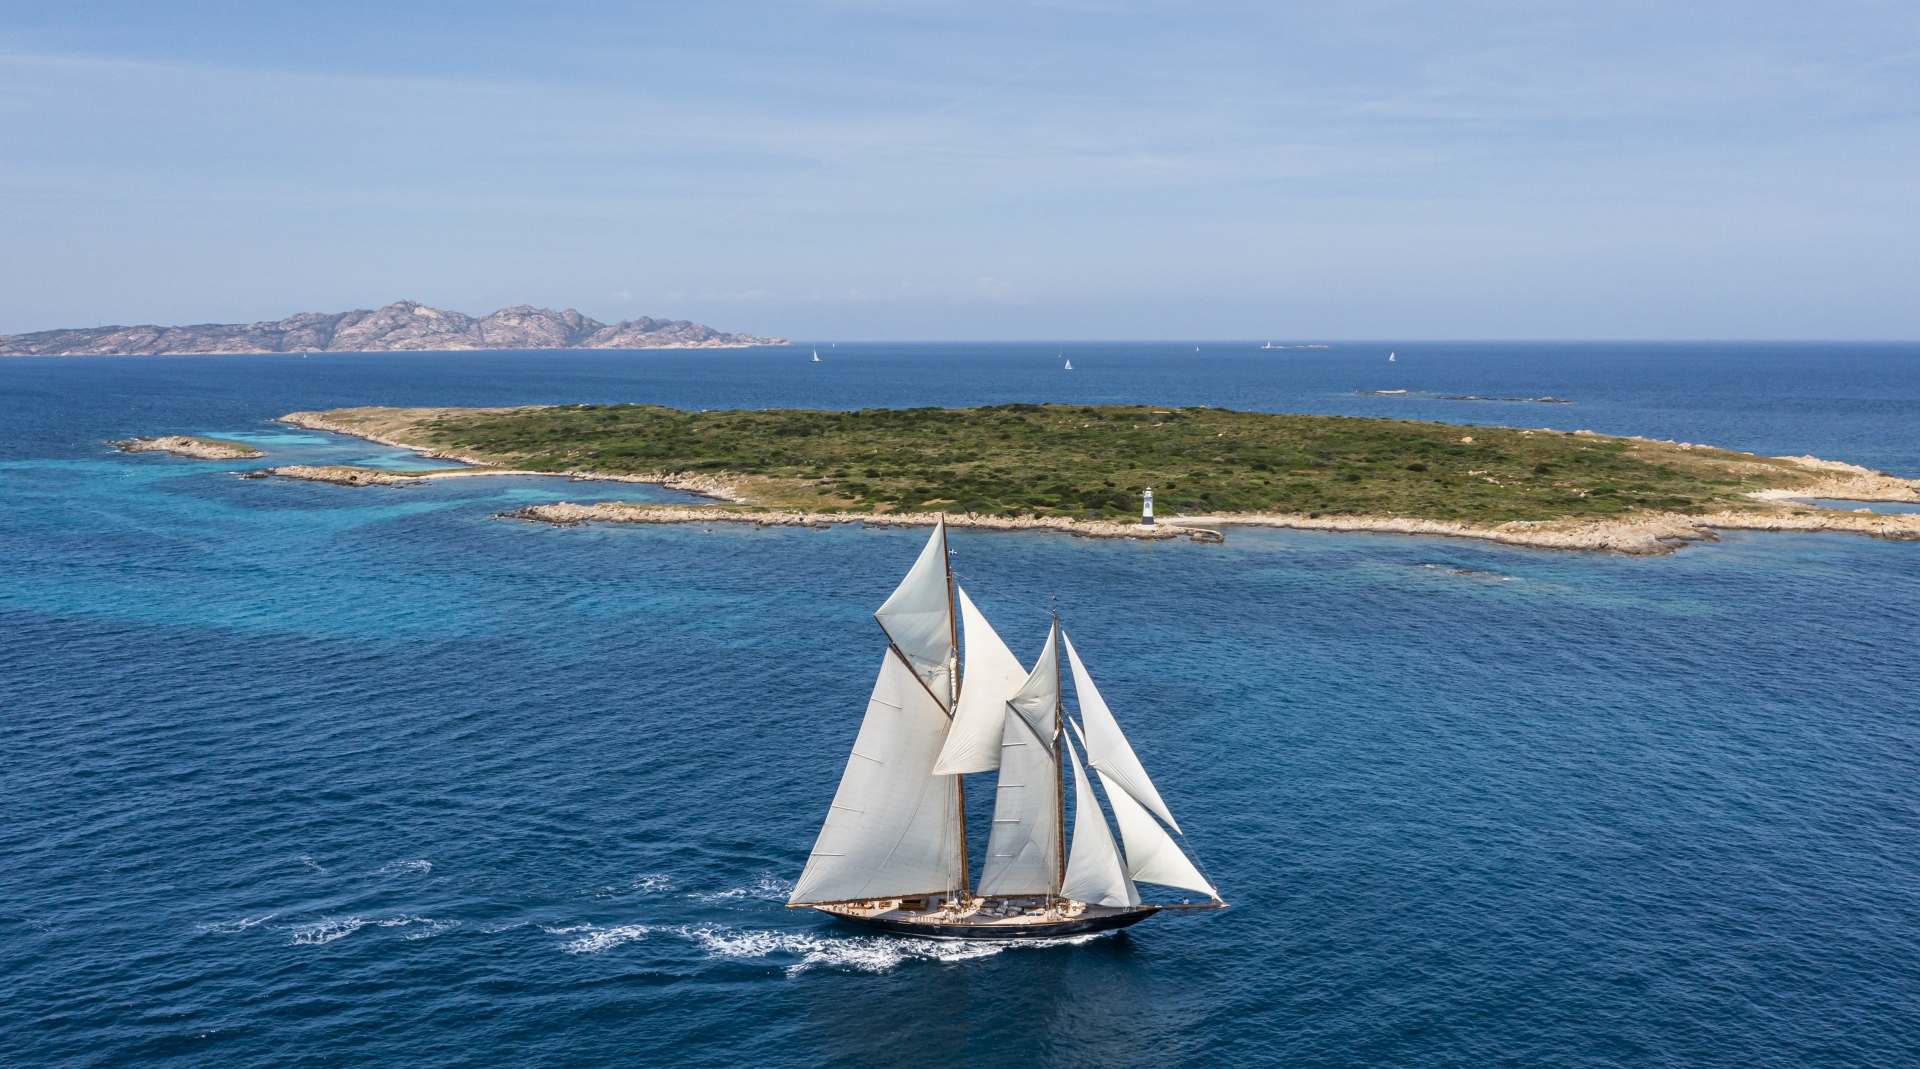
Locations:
{"points": [[181, 445], [401, 326], [1084, 469]]}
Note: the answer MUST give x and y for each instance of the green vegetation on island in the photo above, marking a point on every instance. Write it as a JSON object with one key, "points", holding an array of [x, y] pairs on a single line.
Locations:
{"points": [[1095, 461]]}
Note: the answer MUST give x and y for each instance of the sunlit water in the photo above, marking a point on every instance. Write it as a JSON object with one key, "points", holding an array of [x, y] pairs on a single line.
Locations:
{"points": [[300, 774]]}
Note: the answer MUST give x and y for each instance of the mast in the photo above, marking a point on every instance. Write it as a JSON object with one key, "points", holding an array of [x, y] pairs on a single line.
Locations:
{"points": [[953, 704], [1059, 766]]}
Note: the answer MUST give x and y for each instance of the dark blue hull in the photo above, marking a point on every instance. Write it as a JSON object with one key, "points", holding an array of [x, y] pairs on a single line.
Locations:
{"points": [[1038, 930]]}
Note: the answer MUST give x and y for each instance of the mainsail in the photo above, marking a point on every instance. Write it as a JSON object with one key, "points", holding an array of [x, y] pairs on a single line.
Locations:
{"points": [[1094, 871], [992, 677], [894, 826], [1023, 850], [918, 618]]}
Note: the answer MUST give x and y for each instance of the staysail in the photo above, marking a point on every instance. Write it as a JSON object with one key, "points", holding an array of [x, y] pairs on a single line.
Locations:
{"points": [[918, 618], [1107, 748], [1095, 874], [894, 826], [1023, 850], [993, 675], [1152, 855]]}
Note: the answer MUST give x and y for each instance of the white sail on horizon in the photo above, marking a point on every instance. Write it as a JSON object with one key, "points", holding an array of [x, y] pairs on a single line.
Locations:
{"points": [[918, 617], [993, 675], [893, 827], [1096, 874], [1023, 849]]}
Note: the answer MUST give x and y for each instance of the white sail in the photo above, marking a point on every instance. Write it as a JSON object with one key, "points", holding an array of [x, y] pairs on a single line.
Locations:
{"points": [[1095, 874], [1152, 855], [1023, 849], [1107, 748], [919, 617], [993, 675], [894, 826], [1038, 699]]}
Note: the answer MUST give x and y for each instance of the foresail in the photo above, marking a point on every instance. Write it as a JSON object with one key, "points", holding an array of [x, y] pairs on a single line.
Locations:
{"points": [[1038, 699], [1023, 849], [1152, 855], [1107, 748], [1095, 874], [992, 676], [894, 826], [918, 617]]}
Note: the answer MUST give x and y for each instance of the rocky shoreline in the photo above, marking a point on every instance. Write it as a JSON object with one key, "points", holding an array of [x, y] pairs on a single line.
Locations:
{"points": [[1641, 536], [181, 445]]}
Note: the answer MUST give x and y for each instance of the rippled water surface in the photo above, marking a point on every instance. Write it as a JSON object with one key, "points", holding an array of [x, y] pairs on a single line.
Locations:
{"points": [[300, 774]]}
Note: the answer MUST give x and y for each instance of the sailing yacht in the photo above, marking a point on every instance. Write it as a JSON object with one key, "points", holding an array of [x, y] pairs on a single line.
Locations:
{"points": [[816, 356], [1069, 366], [892, 853]]}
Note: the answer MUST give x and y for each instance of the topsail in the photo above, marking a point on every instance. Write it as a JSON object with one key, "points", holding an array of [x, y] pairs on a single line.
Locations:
{"points": [[918, 618]]}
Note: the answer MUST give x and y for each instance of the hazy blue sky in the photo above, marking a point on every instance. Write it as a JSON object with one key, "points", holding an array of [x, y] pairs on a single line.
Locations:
{"points": [[968, 170]]}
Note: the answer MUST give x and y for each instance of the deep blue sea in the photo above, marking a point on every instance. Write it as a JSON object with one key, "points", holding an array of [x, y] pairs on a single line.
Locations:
{"points": [[301, 775]]}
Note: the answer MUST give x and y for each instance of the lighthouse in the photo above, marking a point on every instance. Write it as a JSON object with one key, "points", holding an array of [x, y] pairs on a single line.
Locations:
{"points": [[1146, 509]]}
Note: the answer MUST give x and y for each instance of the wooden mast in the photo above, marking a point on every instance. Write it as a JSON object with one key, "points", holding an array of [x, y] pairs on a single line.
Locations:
{"points": [[953, 709], [1059, 765]]}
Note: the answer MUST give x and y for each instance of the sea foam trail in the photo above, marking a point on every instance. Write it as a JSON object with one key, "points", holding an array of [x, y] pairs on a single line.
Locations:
{"points": [[769, 887], [598, 939], [815, 950], [861, 953], [229, 927], [327, 929]]}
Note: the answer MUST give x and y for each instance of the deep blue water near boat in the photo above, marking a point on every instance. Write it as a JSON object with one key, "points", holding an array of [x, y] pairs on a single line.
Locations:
{"points": [[302, 775]]}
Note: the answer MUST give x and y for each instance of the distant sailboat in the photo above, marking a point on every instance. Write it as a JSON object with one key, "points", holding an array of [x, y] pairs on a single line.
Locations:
{"points": [[1069, 365], [892, 853], [1390, 358], [816, 356]]}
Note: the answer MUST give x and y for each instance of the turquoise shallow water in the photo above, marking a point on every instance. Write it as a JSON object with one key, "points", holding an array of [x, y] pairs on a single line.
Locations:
{"points": [[301, 774]]}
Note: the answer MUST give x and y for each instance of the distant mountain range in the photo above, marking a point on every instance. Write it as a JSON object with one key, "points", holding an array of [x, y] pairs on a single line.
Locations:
{"points": [[403, 325]]}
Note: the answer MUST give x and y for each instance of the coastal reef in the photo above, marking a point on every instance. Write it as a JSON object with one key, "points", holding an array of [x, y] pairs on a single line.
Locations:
{"points": [[401, 326], [1085, 469], [181, 445]]}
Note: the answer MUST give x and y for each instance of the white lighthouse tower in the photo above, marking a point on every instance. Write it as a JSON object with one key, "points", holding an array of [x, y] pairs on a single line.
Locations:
{"points": [[1146, 509]]}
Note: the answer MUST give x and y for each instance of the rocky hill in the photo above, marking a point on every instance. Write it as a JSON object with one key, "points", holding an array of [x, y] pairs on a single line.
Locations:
{"points": [[403, 325]]}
